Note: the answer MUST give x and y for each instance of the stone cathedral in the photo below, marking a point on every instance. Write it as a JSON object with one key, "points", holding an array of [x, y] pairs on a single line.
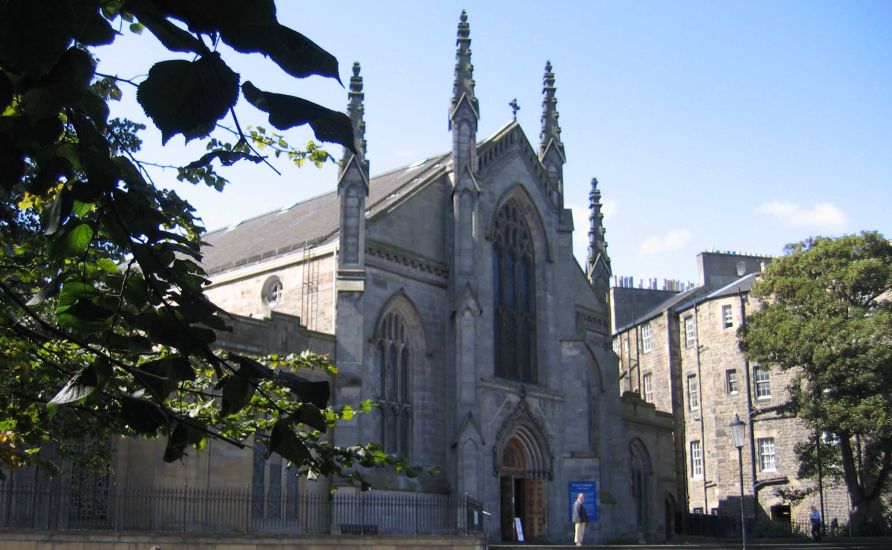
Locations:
{"points": [[448, 292]]}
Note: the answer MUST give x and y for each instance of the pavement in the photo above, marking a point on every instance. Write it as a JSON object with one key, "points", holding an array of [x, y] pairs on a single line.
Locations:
{"points": [[783, 544]]}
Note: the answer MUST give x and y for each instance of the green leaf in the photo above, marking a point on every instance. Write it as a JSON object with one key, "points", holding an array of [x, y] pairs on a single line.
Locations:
{"points": [[181, 437], [84, 384], [210, 16], [142, 415], [107, 264], [226, 158], [51, 217], [153, 376], [72, 74], [77, 390], [12, 161], [188, 97], [172, 37], [40, 103], [312, 416], [46, 292], [287, 112], [5, 91], [317, 393], [96, 32], [237, 392], [250, 369], [73, 242], [96, 107], [74, 290], [128, 344], [35, 34], [284, 442], [49, 175], [296, 54], [46, 133]]}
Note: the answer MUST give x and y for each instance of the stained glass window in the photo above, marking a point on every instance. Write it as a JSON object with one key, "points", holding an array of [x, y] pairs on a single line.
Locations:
{"points": [[514, 296], [394, 360]]}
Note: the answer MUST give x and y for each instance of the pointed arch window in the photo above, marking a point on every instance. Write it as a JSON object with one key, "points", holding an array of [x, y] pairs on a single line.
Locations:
{"points": [[514, 296], [394, 361]]}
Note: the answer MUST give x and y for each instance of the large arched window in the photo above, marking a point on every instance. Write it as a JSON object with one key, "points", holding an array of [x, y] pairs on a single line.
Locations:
{"points": [[514, 296], [394, 359]]}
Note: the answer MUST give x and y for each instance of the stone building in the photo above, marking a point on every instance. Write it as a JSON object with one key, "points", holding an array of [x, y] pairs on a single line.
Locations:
{"points": [[455, 301], [682, 355], [447, 291]]}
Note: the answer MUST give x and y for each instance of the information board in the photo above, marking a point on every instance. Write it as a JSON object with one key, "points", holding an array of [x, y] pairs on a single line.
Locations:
{"points": [[590, 490]]}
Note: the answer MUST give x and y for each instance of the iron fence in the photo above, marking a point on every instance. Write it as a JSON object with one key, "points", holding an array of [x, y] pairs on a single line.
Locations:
{"points": [[56, 506]]}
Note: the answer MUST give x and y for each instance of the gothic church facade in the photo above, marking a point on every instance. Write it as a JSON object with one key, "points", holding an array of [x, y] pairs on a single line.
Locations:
{"points": [[451, 296]]}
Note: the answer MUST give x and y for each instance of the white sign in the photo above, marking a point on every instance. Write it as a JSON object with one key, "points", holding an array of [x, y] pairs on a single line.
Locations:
{"points": [[518, 528]]}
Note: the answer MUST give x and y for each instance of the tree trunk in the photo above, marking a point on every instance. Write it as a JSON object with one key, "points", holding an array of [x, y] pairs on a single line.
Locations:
{"points": [[867, 504]]}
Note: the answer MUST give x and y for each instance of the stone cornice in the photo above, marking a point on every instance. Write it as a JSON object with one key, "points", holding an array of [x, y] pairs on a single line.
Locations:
{"points": [[416, 262]]}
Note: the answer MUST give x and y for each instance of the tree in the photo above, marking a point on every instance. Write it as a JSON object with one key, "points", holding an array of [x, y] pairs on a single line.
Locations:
{"points": [[104, 327], [826, 313]]}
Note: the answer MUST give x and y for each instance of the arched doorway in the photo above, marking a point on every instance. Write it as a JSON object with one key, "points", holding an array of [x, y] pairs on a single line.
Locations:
{"points": [[670, 517], [523, 478]]}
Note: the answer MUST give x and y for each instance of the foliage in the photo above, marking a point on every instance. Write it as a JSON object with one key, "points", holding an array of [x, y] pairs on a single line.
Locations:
{"points": [[104, 327], [825, 312]]}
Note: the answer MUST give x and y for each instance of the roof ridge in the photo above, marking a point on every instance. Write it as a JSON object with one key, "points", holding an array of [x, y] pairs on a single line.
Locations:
{"points": [[269, 212]]}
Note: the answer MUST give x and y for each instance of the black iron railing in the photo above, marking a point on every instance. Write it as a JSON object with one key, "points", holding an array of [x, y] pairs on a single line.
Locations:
{"points": [[56, 506]]}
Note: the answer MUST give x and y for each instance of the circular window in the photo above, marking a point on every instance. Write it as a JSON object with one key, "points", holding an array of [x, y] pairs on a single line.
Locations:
{"points": [[272, 292]]}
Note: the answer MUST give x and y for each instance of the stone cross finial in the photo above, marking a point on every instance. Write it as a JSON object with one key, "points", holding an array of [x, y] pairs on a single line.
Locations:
{"points": [[514, 108]]}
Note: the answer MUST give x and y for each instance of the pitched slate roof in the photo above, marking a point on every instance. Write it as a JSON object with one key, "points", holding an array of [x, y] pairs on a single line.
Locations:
{"points": [[698, 294], [308, 223], [670, 303], [315, 221]]}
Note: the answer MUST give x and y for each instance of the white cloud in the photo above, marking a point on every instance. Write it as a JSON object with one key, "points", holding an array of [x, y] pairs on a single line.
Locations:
{"points": [[822, 215], [672, 240], [581, 214]]}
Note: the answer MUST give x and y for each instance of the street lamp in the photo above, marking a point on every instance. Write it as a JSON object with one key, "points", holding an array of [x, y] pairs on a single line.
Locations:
{"points": [[738, 432]]}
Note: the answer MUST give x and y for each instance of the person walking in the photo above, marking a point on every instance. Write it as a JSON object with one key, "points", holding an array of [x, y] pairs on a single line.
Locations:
{"points": [[815, 517], [580, 518]]}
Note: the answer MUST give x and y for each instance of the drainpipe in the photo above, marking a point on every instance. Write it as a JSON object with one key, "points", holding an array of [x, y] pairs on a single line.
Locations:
{"points": [[749, 411], [700, 399], [638, 358]]}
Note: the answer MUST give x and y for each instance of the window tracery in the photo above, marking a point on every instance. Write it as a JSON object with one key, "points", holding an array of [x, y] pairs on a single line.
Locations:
{"points": [[514, 296], [393, 354]]}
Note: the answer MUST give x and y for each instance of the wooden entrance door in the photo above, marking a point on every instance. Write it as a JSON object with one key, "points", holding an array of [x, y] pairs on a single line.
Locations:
{"points": [[506, 508], [533, 511], [520, 496]]}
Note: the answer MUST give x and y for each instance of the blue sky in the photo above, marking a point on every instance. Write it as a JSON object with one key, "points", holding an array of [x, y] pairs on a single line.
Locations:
{"points": [[710, 125]]}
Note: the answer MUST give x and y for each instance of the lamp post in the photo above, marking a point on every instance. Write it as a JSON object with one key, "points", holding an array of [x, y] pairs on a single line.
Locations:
{"points": [[738, 430]]}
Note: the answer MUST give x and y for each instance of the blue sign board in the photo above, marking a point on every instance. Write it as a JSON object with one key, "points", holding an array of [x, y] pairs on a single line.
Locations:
{"points": [[590, 490]]}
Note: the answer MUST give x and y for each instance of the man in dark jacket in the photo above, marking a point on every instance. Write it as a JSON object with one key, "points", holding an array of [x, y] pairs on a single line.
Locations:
{"points": [[580, 518]]}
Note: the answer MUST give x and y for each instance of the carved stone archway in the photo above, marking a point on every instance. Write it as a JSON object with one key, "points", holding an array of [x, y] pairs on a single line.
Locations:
{"points": [[523, 464]]}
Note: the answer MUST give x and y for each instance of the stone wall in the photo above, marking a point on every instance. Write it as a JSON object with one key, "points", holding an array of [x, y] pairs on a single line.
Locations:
{"points": [[308, 283], [719, 357]]}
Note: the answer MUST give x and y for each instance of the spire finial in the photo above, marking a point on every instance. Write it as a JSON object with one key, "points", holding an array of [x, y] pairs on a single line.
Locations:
{"points": [[514, 108], [356, 110], [464, 70], [597, 246], [551, 130]]}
